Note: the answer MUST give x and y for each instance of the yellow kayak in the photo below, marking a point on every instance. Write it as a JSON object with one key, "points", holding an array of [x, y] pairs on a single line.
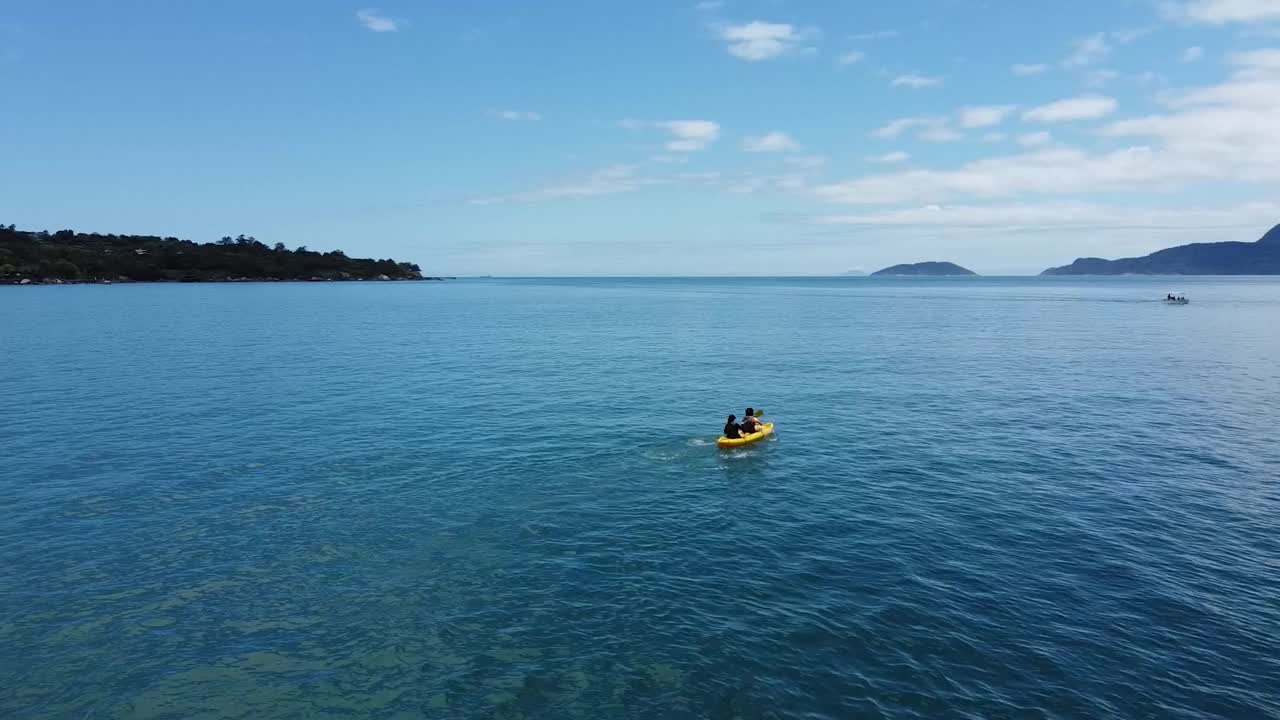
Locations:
{"points": [[765, 431]]}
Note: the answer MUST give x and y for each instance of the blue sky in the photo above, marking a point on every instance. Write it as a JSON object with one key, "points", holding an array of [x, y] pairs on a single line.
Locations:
{"points": [[567, 138]]}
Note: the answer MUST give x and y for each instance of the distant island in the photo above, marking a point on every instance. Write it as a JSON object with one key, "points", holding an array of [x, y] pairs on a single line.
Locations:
{"points": [[931, 269], [1222, 258], [28, 258]]}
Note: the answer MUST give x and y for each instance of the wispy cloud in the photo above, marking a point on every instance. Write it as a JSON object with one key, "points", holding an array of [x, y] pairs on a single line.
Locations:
{"points": [[1223, 12], [1088, 51], [373, 19], [1223, 132], [939, 128], [916, 81], [515, 115], [1093, 49], [775, 141], [690, 135], [1085, 107], [850, 58], [896, 128], [935, 128], [685, 135], [606, 181], [1035, 139], [981, 116], [1050, 216], [876, 35], [806, 162], [1099, 78], [1192, 54], [891, 158], [940, 133], [758, 40], [1044, 171], [1021, 70]]}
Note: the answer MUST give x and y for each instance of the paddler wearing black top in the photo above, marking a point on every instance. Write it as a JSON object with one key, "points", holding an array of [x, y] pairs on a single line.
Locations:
{"points": [[731, 428], [750, 424]]}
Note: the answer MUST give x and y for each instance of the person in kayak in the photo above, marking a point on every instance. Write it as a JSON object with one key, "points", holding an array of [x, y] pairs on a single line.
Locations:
{"points": [[751, 423], [732, 430]]}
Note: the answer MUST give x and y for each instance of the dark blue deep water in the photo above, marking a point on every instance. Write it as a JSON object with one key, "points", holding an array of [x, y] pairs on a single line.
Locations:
{"points": [[1030, 498]]}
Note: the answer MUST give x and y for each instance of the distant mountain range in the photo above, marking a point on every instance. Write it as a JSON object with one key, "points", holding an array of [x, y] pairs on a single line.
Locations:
{"points": [[931, 269], [1222, 258]]}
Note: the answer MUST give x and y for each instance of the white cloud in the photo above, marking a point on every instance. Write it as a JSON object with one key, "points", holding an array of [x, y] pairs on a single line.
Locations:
{"points": [[515, 115], [606, 181], [685, 135], [980, 116], [916, 81], [1255, 62], [876, 35], [891, 158], [1093, 49], [1021, 70], [897, 127], [1050, 216], [1044, 172], [758, 40], [1124, 37], [931, 129], [806, 162], [1035, 139], [711, 177], [940, 133], [690, 135], [851, 57], [374, 20], [1192, 54], [1088, 50], [1098, 78], [994, 137], [1218, 133], [1223, 12], [1085, 107], [775, 141], [754, 183], [1225, 131]]}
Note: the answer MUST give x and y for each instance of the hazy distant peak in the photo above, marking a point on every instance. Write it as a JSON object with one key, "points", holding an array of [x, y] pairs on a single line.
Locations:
{"points": [[932, 268]]}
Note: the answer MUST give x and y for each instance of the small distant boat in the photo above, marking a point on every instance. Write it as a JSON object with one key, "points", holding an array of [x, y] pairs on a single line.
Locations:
{"points": [[1176, 299]]}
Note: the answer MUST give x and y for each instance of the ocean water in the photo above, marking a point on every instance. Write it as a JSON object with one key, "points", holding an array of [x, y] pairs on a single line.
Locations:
{"points": [[986, 498]]}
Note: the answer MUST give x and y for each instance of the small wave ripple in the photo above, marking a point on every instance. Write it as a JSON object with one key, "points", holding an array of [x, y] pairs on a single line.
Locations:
{"points": [[435, 501]]}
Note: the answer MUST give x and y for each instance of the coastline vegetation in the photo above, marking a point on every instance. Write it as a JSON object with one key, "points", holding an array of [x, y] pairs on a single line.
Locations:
{"points": [[28, 257]]}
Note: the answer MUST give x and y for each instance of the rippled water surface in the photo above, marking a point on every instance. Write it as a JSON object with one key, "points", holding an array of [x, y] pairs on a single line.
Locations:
{"points": [[1038, 498]]}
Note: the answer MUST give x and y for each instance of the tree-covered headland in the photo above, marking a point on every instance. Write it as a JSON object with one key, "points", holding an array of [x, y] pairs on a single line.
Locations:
{"points": [[65, 256]]}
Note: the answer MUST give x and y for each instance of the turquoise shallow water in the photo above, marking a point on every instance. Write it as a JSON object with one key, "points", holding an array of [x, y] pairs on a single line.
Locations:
{"points": [[1030, 498]]}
